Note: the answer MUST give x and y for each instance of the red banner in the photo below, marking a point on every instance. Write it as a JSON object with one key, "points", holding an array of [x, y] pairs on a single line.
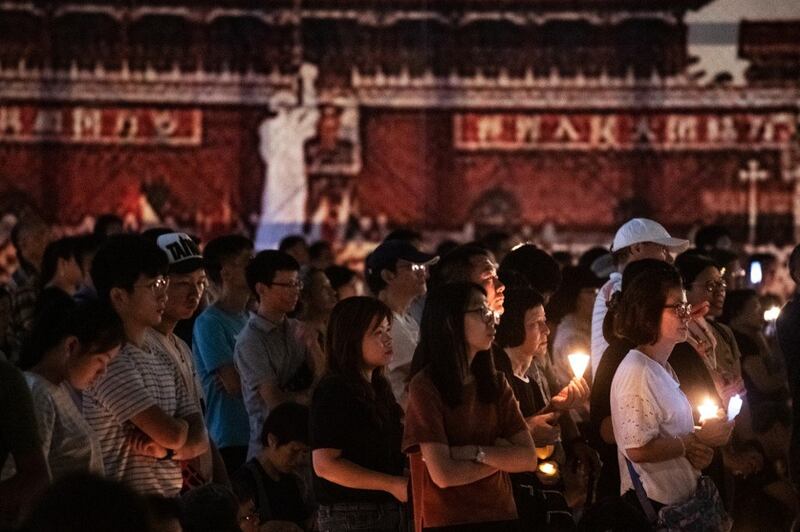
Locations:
{"points": [[661, 131], [95, 125]]}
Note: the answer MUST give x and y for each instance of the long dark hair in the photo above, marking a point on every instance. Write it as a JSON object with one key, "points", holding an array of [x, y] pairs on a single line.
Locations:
{"points": [[350, 321], [442, 347]]}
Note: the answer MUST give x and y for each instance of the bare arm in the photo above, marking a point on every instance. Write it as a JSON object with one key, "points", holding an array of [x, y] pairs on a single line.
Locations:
{"points": [[229, 378], [196, 440], [165, 430], [516, 456], [659, 449], [607, 431], [329, 464], [447, 471]]}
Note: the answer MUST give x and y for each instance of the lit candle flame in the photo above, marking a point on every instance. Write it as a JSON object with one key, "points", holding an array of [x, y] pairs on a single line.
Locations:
{"points": [[772, 313], [578, 362], [734, 407], [548, 468], [708, 410]]}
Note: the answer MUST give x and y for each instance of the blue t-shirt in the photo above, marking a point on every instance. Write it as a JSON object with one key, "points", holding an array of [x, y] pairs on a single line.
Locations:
{"points": [[214, 337]]}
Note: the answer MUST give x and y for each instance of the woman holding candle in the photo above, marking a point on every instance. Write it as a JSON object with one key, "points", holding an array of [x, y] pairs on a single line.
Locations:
{"points": [[660, 453], [464, 432]]}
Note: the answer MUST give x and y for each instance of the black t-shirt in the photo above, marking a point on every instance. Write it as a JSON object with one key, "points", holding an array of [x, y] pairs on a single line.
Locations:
{"points": [[368, 436], [275, 500], [695, 380], [529, 395], [600, 408]]}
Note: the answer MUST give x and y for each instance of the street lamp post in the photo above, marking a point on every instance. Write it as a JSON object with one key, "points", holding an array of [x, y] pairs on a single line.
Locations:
{"points": [[752, 175]]}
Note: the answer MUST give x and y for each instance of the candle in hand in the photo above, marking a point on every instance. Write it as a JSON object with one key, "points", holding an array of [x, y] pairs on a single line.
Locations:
{"points": [[772, 313], [708, 410], [578, 362], [548, 469], [734, 407]]}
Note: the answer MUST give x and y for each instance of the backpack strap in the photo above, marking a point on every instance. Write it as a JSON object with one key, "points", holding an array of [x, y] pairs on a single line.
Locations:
{"points": [[644, 502]]}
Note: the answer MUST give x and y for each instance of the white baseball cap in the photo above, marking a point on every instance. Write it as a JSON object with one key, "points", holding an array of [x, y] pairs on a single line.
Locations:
{"points": [[640, 230]]}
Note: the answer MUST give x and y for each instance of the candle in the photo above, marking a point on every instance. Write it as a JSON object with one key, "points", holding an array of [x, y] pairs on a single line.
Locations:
{"points": [[578, 362], [549, 469], [772, 313], [708, 410], [734, 407], [543, 453]]}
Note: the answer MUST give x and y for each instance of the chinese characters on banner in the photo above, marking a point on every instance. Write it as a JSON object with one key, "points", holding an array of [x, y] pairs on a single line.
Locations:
{"points": [[622, 131], [95, 125]]}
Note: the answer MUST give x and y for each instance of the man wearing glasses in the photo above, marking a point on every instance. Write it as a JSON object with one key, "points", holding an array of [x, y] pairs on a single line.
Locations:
{"points": [[141, 409], [396, 274], [273, 364]]}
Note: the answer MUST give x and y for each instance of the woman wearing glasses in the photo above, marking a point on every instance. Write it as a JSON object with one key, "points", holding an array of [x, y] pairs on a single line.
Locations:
{"points": [[464, 432], [660, 453], [356, 425]]}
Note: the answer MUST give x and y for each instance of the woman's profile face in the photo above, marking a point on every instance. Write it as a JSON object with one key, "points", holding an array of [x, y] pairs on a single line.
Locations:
{"points": [[376, 346], [479, 323], [674, 317]]}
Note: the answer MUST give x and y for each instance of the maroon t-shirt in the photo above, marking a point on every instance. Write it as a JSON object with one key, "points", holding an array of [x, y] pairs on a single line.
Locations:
{"points": [[430, 420]]}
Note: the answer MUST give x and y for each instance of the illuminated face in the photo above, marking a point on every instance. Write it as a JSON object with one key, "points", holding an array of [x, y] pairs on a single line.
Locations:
{"points": [[484, 273]]}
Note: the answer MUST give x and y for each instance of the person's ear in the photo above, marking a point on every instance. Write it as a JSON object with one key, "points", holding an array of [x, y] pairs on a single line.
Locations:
{"points": [[388, 276], [72, 346], [272, 441], [262, 290], [119, 297]]}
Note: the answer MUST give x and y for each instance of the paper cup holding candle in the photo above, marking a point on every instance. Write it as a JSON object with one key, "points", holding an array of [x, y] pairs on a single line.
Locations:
{"points": [[708, 410], [578, 361], [547, 472], [734, 407]]}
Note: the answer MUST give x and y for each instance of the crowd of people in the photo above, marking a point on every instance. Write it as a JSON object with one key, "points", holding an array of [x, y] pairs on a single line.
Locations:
{"points": [[153, 382]]}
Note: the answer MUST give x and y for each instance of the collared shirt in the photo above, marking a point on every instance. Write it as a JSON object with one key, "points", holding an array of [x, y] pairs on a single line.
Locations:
{"points": [[647, 403], [266, 353], [599, 344]]}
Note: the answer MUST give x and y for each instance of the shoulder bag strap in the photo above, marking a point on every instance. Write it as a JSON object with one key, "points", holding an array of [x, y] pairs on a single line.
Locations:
{"points": [[644, 502]]}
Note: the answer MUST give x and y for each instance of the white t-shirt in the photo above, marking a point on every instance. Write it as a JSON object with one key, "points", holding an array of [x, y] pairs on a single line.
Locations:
{"points": [[647, 402], [599, 344], [136, 380], [405, 337], [68, 443]]}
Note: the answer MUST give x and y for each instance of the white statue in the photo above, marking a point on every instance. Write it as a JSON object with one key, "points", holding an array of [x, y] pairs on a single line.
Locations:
{"points": [[283, 204]]}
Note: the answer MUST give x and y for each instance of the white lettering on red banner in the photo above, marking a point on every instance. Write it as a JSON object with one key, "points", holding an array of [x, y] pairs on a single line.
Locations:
{"points": [[660, 131], [95, 125]]}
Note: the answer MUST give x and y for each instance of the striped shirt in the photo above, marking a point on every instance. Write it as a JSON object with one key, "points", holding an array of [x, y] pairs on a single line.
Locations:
{"points": [[137, 379]]}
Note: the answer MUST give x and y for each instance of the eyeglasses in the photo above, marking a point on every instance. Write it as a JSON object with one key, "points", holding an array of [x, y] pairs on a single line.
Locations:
{"points": [[157, 286], [415, 268], [486, 314], [683, 310], [294, 284], [719, 286], [199, 286]]}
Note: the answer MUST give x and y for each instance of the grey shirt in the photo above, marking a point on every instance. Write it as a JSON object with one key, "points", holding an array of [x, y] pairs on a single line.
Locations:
{"points": [[266, 353]]}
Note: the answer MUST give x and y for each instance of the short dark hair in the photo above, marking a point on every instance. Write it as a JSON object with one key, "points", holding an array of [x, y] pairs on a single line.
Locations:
{"points": [[94, 323], [536, 265], [86, 245], [456, 266], [220, 250], [339, 276], [291, 241], [565, 299], [511, 329], [64, 249], [691, 264], [735, 301], [637, 316], [122, 259], [316, 249], [103, 222], [708, 236], [266, 264], [442, 346], [210, 508], [287, 422]]}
